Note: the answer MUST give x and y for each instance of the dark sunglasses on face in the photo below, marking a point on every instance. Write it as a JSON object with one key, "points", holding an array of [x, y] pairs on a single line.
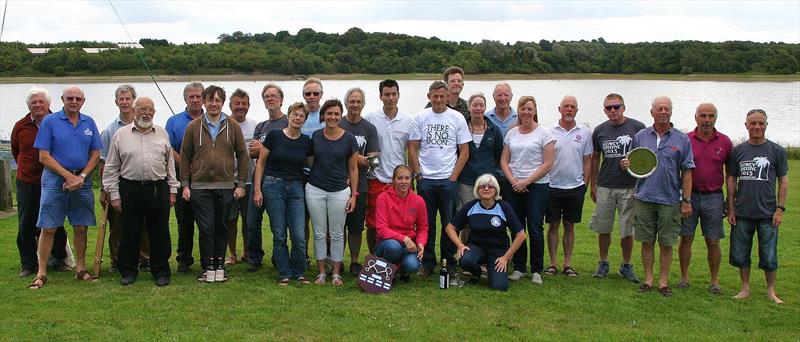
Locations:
{"points": [[486, 186], [616, 106], [311, 93]]}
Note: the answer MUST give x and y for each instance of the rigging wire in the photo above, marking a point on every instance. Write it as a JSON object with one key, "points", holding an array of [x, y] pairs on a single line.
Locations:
{"points": [[141, 55], [3, 24]]}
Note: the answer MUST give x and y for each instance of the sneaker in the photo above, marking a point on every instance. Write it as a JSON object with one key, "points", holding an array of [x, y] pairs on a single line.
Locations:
{"points": [[202, 277], [162, 281], [423, 272], [536, 278], [455, 280], [626, 272], [253, 268], [183, 267], [127, 280], [25, 272], [516, 275], [602, 270], [355, 269]]}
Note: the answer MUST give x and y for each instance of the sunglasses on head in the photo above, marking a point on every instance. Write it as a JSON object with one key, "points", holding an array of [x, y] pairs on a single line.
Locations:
{"points": [[616, 106]]}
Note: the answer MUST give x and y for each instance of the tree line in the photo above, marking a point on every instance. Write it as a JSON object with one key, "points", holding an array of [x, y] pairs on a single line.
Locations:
{"points": [[355, 51]]}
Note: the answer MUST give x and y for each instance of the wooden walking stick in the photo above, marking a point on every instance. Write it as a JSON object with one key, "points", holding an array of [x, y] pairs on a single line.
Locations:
{"points": [[101, 238]]}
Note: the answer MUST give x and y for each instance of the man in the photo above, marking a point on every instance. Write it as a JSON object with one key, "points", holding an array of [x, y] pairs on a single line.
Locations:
{"points": [[29, 185], [312, 93], [393, 127], [573, 164], [707, 200], [139, 176], [176, 127], [612, 187], [124, 96], [503, 114], [240, 105], [69, 148], [454, 78], [212, 152], [663, 197], [367, 140], [753, 168], [438, 149], [272, 95]]}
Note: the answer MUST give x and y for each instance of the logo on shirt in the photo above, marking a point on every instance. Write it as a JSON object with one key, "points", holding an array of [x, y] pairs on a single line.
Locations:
{"points": [[578, 138], [618, 147], [437, 135], [87, 132], [361, 141], [754, 169], [495, 221]]}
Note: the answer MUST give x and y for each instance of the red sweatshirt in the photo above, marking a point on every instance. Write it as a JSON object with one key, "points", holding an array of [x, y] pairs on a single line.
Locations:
{"points": [[397, 217]]}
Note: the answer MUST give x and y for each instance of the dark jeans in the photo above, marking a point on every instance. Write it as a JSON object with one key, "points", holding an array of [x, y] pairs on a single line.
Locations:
{"points": [[255, 217], [144, 206], [476, 256], [439, 196], [211, 208], [184, 215], [530, 207], [285, 202], [28, 196]]}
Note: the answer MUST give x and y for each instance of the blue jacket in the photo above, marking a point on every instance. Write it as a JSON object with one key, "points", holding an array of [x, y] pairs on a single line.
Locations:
{"points": [[486, 158]]}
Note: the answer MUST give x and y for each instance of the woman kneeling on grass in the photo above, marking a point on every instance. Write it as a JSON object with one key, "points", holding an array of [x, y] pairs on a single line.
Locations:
{"points": [[401, 223], [488, 217]]}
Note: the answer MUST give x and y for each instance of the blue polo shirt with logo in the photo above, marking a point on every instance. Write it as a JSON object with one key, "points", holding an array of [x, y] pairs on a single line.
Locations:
{"points": [[488, 226], [68, 144], [674, 154]]}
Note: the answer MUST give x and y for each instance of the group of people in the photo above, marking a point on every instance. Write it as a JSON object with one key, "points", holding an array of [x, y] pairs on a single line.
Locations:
{"points": [[326, 171]]}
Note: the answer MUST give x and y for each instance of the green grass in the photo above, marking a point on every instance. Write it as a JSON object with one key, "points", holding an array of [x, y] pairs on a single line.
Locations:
{"points": [[254, 307]]}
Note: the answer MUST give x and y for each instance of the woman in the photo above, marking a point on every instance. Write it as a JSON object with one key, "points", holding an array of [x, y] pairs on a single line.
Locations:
{"points": [[330, 195], [528, 155], [488, 217], [484, 149], [401, 222], [279, 170]]}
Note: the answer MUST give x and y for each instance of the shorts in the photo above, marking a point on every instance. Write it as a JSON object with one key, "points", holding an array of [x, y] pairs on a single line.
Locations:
{"points": [[56, 205], [376, 188], [709, 209], [654, 221], [565, 204], [609, 202], [239, 207], [354, 223], [742, 243]]}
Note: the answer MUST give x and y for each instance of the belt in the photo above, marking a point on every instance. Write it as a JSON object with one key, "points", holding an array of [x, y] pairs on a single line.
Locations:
{"points": [[707, 192], [75, 172], [142, 182]]}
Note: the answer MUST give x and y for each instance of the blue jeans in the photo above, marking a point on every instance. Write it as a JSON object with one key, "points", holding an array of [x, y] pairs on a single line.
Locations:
{"points": [[742, 243], [255, 216], [530, 207], [393, 251], [284, 201], [439, 196], [476, 256]]}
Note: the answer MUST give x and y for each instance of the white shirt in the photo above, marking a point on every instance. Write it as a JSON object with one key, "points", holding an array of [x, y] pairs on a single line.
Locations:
{"points": [[439, 135], [571, 147], [392, 139], [527, 151], [248, 127]]}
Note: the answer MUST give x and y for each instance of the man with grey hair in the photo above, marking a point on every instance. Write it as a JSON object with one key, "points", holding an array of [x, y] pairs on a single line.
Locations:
{"points": [[124, 96], [240, 105], [708, 202], [29, 185], [503, 114], [663, 197], [312, 93], [176, 127]]}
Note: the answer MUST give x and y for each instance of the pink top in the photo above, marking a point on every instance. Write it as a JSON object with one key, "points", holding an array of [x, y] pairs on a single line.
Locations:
{"points": [[709, 158], [396, 218]]}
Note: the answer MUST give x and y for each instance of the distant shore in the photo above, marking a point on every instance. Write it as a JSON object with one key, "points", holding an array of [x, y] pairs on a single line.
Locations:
{"points": [[485, 77]]}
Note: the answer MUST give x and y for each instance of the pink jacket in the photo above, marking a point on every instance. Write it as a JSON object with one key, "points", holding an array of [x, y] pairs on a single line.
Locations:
{"points": [[397, 217]]}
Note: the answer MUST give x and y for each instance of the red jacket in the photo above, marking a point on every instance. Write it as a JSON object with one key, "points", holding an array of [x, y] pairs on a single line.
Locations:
{"points": [[397, 217], [29, 169]]}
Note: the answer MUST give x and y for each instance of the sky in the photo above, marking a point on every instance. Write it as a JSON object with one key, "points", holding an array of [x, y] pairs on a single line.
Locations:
{"points": [[34, 21]]}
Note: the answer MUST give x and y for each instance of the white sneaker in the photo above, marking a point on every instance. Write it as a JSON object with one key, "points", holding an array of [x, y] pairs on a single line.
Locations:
{"points": [[536, 279], [516, 275]]}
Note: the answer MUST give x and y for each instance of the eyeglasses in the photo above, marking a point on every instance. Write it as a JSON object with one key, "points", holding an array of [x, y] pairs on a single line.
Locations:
{"points": [[486, 187], [73, 98], [312, 93], [616, 106], [273, 96]]}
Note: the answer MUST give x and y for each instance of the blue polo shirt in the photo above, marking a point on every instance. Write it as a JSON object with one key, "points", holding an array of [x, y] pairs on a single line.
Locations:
{"points": [[312, 124], [674, 153], [69, 145], [504, 125], [176, 128], [212, 128]]}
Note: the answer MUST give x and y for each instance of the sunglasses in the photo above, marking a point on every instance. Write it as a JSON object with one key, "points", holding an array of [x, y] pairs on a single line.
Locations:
{"points": [[486, 187], [312, 93], [616, 106]]}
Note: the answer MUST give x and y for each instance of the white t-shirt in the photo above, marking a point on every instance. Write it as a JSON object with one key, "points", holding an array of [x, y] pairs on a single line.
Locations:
{"points": [[477, 138], [392, 139], [248, 127], [439, 135], [527, 151], [571, 147]]}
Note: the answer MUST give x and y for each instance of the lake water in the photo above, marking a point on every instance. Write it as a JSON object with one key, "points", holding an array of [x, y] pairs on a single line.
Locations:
{"points": [[781, 100]]}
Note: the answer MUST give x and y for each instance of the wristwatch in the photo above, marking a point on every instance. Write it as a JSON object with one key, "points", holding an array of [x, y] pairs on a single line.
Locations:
{"points": [[83, 175], [686, 200], [781, 208]]}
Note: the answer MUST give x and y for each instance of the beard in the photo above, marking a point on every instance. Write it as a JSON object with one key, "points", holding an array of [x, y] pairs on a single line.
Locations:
{"points": [[143, 124]]}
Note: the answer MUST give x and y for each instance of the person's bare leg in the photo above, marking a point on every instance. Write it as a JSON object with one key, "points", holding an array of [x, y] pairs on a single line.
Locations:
{"points": [[45, 246], [685, 256], [771, 279], [603, 242], [626, 244], [231, 225], [552, 242], [744, 274], [714, 259], [337, 268], [647, 262], [569, 242], [665, 261], [321, 266], [79, 237]]}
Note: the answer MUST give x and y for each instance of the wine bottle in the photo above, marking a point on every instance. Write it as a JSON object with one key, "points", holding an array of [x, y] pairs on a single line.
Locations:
{"points": [[444, 276]]}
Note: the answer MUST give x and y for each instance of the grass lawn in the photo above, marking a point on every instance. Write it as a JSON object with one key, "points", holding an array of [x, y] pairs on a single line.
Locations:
{"points": [[253, 307]]}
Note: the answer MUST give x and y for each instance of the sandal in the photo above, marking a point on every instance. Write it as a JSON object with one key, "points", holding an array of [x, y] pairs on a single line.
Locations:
{"points": [[303, 280], [337, 280], [320, 279], [231, 260], [81, 275], [284, 282], [665, 291], [644, 288], [551, 270], [35, 286], [570, 272]]}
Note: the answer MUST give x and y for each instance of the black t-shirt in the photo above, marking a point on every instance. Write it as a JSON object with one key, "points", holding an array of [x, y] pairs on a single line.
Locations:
{"points": [[286, 155], [329, 171], [613, 143], [757, 168], [488, 225], [264, 127], [367, 140]]}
